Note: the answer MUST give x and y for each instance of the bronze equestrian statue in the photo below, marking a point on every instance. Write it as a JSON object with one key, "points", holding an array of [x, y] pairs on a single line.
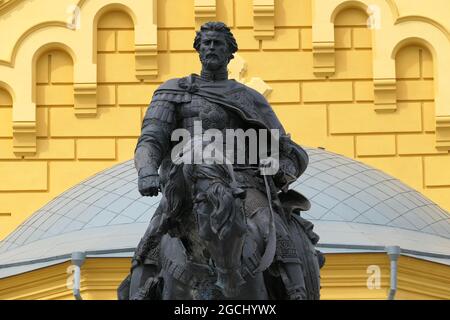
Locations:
{"points": [[222, 230]]}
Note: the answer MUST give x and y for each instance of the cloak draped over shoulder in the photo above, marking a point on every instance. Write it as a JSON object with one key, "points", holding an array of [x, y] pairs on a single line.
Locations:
{"points": [[247, 102]]}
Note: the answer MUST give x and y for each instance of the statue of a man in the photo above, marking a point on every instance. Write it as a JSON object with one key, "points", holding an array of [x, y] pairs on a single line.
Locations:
{"points": [[217, 103]]}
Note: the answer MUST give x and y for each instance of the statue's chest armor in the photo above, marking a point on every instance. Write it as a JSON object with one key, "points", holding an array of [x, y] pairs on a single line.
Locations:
{"points": [[211, 115]]}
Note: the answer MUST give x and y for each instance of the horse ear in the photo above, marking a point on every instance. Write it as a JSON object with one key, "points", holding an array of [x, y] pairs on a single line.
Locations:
{"points": [[239, 193]]}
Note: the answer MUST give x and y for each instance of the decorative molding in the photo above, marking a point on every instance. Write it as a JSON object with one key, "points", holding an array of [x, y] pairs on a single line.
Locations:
{"points": [[443, 133], [434, 23], [323, 58], [146, 61], [237, 69], [24, 138], [394, 9], [264, 19], [324, 13], [81, 3], [44, 283], [204, 11], [323, 37], [79, 44], [385, 92], [85, 96], [436, 41], [429, 279], [146, 39], [100, 279], [7, 4], [25, 35]]}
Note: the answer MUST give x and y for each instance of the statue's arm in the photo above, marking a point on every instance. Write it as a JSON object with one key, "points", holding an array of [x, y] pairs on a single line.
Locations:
{"points": [[293, 162], [155, 139], [293, 159]]}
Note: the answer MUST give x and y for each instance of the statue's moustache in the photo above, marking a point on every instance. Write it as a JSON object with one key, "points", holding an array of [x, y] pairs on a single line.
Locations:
{"points": [[208, 60]]}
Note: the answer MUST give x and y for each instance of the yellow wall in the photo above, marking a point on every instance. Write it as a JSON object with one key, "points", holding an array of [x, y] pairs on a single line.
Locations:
{"points": [[343, 277], [71, 103], [99, 280]]}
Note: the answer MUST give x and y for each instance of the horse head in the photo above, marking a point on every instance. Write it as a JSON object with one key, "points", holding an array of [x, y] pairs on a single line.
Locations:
{"points": [[209, 190], [221, 224], [217, 206]]}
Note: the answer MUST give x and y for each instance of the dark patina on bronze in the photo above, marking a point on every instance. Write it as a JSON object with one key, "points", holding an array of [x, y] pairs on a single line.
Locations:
{"points": [[220, 231]]}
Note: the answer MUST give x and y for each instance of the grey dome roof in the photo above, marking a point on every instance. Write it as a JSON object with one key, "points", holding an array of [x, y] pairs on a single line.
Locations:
{"points": [[342, 189], [354, 207]]}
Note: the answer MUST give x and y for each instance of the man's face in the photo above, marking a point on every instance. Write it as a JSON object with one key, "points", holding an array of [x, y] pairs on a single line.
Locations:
{"points": [[213, 50]]}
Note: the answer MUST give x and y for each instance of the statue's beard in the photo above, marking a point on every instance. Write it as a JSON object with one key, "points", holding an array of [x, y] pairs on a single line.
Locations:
{"points": [[212, 63]]}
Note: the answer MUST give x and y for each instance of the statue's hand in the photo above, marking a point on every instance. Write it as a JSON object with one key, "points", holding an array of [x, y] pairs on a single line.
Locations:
{"points": [[149, 186]]}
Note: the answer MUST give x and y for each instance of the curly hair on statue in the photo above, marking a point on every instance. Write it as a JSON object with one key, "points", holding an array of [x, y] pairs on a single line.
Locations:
{"points": [[219, 27]]}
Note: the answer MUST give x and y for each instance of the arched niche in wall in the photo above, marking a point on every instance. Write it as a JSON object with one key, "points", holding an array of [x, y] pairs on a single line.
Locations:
{"points": [[54, 85], [7, 95], [143, 17], [115, 48], [115, 56], [426, 35], [414, 69], [6, 104], [353, 45], [325, 13], [381, 17]]}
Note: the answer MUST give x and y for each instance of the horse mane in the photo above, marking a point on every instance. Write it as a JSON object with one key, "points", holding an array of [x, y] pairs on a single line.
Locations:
{"points": [[220, 194], [176, 192], [224, 213]]}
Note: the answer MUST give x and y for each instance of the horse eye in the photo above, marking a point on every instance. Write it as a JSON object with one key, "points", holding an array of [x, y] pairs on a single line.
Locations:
{"points": [[200, 198]]}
